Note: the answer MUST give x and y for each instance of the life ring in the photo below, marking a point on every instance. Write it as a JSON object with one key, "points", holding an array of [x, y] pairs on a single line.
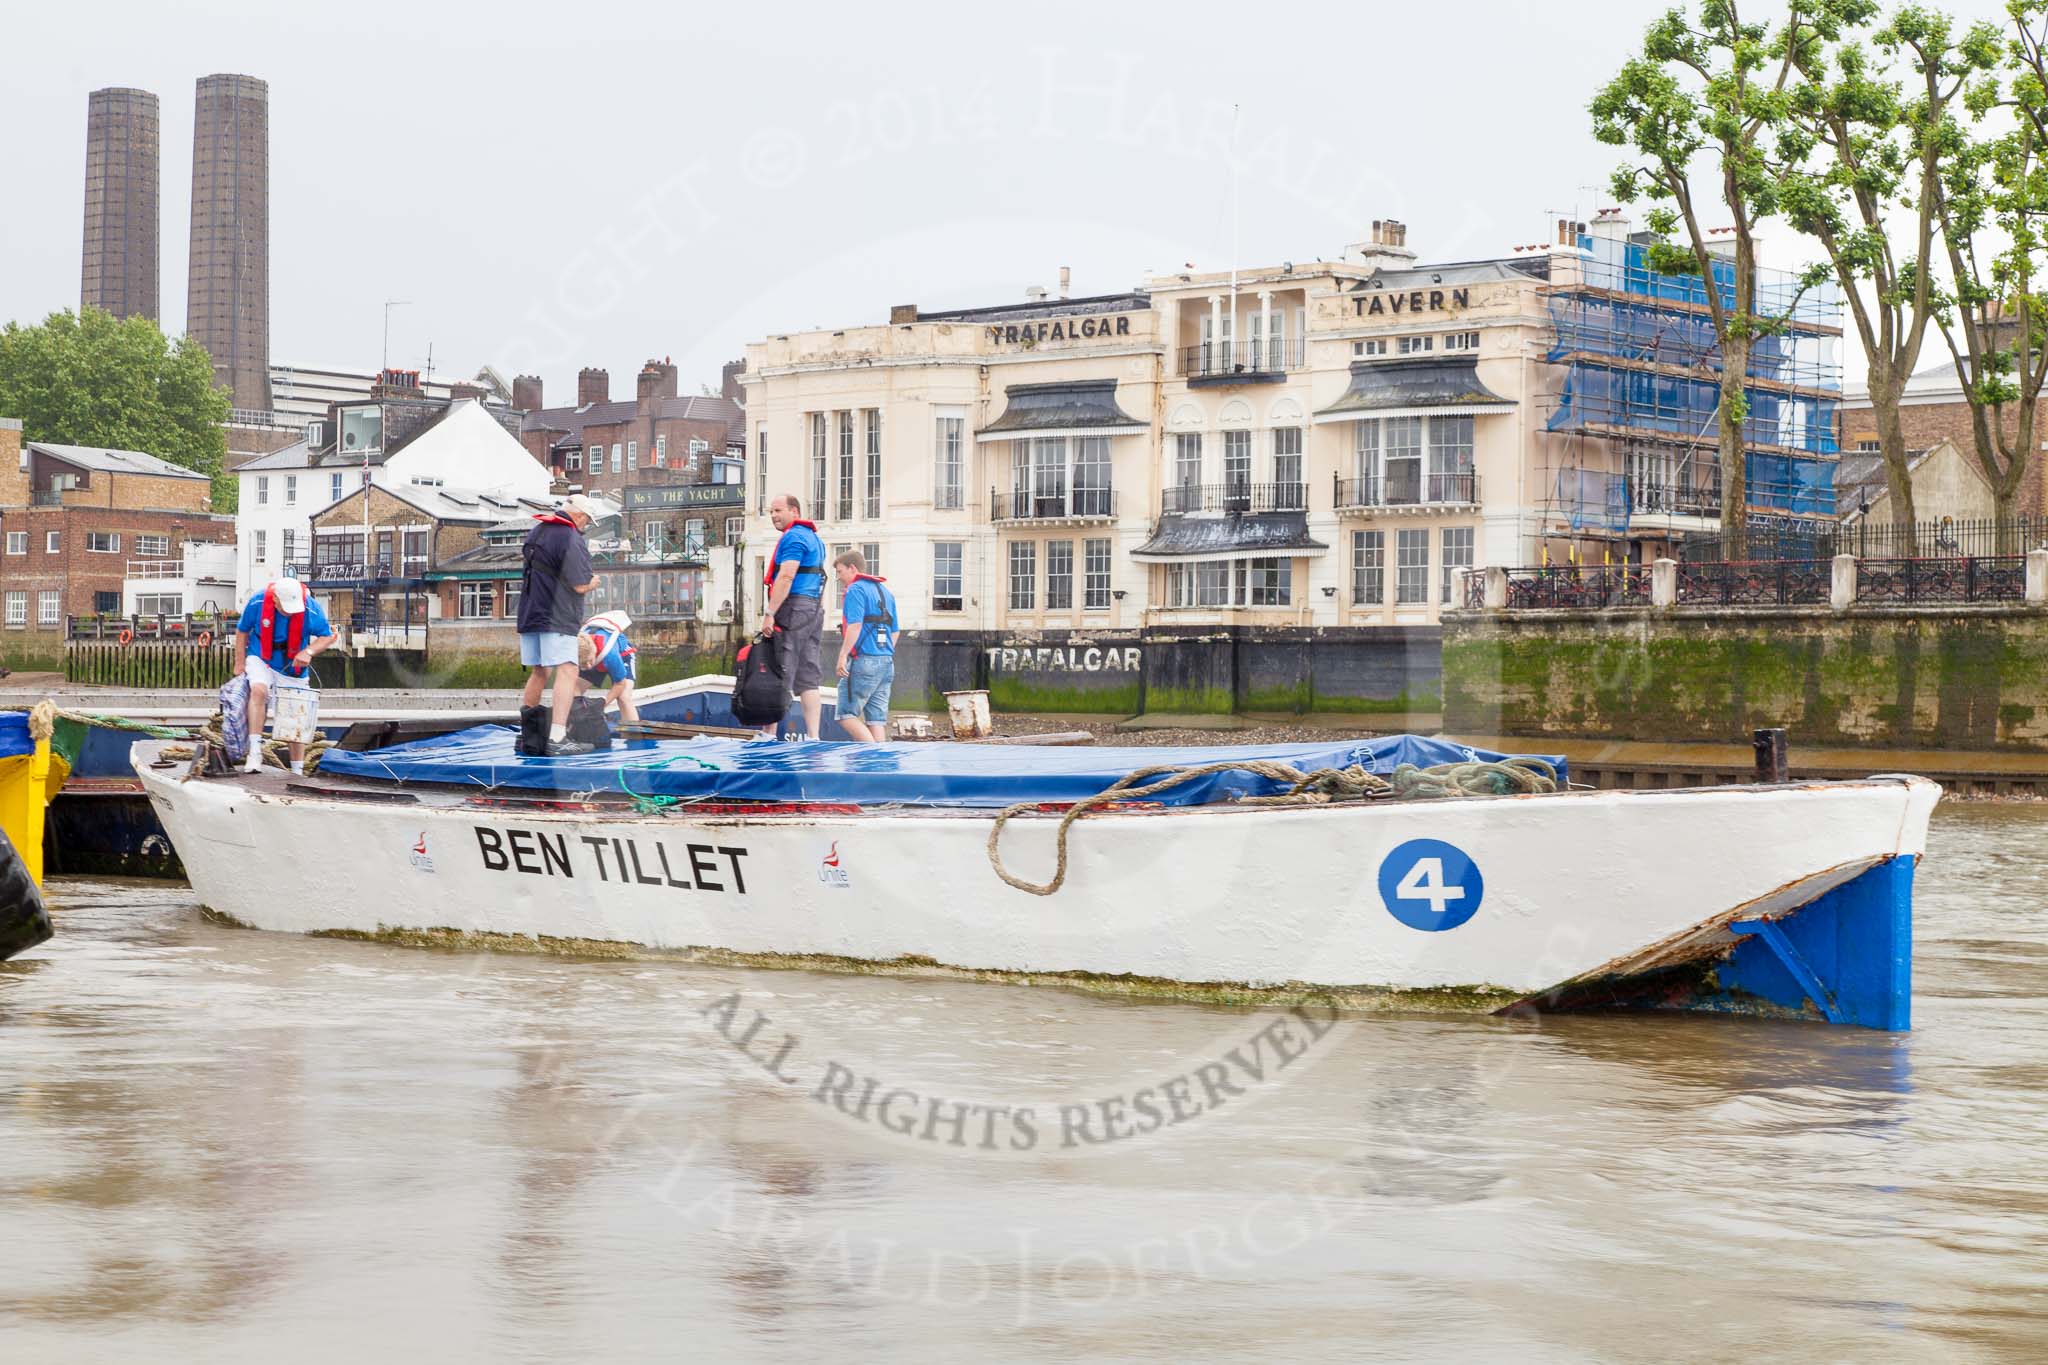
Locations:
{"points": [[206, 639], [126, 636]]}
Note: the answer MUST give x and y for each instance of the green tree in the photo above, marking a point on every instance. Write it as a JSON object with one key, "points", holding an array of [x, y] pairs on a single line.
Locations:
{"points": [[1863, 150], [91, 379], [1699, 110], [1991, 202]]}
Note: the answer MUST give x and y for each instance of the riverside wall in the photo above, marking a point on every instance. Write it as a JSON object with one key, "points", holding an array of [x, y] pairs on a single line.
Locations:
{"points": [[1187, 670], [1950, 677]]}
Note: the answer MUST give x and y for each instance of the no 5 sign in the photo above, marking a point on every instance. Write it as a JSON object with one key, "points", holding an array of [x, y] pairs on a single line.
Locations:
{"points": [[1430, 885]]}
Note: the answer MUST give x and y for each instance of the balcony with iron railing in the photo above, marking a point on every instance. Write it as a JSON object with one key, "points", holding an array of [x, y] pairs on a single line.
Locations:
{"points": [[1076, 504], [1234, 496], [1242, 362], [1409, 489]]}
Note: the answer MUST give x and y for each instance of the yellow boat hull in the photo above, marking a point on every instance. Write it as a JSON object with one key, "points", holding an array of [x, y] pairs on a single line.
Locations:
{"points": [[28, 783]]}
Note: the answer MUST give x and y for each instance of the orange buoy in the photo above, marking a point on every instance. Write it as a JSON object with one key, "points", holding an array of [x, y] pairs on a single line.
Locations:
{"points": [[206, 639], [127, 636]]}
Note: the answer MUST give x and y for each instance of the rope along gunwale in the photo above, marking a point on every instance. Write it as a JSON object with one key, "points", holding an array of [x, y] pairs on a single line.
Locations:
{"points": [[1513, 776]]}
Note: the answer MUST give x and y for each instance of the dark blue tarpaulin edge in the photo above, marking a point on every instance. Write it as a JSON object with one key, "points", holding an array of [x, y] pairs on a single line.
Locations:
{"points": [[938, 774]]}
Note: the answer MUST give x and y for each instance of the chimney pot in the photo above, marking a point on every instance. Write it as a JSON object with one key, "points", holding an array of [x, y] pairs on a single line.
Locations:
{"points": [[1066, 280]]}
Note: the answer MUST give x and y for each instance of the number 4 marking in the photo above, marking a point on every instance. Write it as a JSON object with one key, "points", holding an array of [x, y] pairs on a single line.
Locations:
{"points": [[1425, 882], [1430, 885]]}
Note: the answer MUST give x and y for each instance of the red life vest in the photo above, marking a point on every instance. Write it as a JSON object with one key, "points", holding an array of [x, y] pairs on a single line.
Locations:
{"points": [[769, 580], [294, 634], [553, 518]]}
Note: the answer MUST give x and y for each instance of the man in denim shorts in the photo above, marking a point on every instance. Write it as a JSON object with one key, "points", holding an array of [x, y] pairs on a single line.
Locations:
{"points": [[867, 649]]}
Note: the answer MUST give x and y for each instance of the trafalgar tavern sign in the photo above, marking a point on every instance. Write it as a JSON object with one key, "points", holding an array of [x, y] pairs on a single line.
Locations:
{"points": [[1030, 334]]}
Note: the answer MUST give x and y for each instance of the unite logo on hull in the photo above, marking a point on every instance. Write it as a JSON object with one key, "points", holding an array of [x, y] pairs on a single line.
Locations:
{"points": [[830, 871], [419, 857]]}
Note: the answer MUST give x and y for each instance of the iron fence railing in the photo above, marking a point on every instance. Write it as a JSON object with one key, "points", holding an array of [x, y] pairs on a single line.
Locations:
{"points": [[1944, 538], [1412, 489], [1748, 583], [1984, 578], [1068, 505], [1574, 585], [1233, 497], [1216, 359], [1763, 583]]}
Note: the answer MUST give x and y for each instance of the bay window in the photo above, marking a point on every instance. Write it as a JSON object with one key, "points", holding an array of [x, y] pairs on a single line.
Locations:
{"points": [[1023, 575], [1450, 459], [1368, 568], [1059, 575], [1411, 567], [1289, 493]]}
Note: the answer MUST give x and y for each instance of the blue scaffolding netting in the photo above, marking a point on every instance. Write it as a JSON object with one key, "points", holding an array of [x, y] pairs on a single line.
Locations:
{"points": [[1627, 339]]}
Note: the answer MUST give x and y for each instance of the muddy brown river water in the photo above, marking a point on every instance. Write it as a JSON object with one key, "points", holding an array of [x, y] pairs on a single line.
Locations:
{"points": [[223, 1145]]}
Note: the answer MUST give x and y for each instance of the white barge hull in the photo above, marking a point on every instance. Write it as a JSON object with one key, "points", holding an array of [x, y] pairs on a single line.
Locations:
{"points": [[1796, 897]]}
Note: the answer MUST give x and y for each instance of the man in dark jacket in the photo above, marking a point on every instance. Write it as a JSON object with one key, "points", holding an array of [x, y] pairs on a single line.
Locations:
{"points": [[557, 575]]}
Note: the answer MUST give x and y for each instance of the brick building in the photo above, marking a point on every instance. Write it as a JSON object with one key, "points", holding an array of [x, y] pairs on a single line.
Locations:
{"points": [[374, 549], [483, 584], [659, 437], [1932, 410], [74, 520]]}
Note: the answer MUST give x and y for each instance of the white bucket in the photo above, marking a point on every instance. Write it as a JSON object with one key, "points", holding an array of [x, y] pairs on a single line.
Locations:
{"points": [[969, 713], [294, 711]]}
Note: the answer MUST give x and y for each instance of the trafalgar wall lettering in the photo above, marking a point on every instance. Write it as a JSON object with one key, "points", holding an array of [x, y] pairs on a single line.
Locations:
{"points": [[1064, 658], [1060, 329], [1414, 301]]}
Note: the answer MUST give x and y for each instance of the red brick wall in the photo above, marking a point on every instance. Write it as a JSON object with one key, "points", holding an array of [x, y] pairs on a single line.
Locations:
{"points": [[678, 432], [1929, 424], [79, 573]]}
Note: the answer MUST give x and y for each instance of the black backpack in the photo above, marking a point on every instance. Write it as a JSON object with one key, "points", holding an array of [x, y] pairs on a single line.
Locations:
{"points": [[760, 692]]}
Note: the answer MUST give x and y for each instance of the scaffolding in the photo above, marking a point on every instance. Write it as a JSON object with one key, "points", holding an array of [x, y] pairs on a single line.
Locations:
{"points": [[1638, 411]]}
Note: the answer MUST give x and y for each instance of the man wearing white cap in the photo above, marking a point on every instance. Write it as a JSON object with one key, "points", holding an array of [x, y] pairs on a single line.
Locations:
{"points": [[557, 574], [275, 643], [605, 657]]}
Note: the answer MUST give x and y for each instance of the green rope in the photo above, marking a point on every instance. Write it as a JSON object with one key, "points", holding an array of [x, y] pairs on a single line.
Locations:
{"points": [[123, 723]]}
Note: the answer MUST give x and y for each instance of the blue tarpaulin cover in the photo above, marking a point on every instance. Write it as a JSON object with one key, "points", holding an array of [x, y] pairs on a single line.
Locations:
{"points": [[938, 774], [14, 740]]}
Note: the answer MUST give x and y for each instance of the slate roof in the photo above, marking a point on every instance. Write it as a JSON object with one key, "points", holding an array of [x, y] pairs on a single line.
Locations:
{"points": [[1215, 537], [115, 461], [1060, 407], [1426, 382], [293, 456]]}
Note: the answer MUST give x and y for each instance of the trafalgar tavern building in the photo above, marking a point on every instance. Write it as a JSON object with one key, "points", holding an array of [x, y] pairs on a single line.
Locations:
{"points": [[1321, 444]]}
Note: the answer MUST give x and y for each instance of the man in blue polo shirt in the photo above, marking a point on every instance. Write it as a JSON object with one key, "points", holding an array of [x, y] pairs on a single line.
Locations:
{"points": [[796, 603], [867, 648], [280, 632]]}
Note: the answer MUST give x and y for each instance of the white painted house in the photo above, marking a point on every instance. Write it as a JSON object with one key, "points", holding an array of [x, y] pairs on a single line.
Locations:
{"points": [[460, 446]]}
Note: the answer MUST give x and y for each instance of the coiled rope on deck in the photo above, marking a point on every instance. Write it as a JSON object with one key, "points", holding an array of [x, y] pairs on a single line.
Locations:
{"points": [[1512, 776]]}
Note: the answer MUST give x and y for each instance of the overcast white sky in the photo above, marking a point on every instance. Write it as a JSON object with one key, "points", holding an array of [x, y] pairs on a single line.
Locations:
{"points": [[556, 184]]}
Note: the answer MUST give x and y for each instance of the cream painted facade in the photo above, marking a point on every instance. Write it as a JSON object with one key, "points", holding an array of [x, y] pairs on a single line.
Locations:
{"points": [[1325, 445]]}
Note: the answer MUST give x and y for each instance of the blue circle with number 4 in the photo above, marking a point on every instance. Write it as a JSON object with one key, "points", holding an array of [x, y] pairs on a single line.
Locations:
{"points": [[1430, 885]]}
